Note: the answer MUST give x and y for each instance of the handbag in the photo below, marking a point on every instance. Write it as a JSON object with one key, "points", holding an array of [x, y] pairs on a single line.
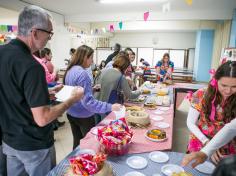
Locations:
{"points": [[117, 95]]}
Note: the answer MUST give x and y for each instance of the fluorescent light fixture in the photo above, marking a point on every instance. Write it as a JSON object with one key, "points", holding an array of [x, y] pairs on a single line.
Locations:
{"points": [[128, 1]]}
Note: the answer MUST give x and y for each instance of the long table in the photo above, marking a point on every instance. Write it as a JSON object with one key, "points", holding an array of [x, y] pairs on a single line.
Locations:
{"points": [[184, 87], [120, 167], [139, 142]]}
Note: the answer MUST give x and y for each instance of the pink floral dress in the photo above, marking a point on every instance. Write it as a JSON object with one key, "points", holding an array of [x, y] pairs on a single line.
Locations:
{"points": [[209, 128]]}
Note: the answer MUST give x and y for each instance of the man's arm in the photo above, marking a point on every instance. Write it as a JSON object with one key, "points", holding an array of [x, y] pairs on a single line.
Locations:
{"points": [[43, 115], [226, 134]]}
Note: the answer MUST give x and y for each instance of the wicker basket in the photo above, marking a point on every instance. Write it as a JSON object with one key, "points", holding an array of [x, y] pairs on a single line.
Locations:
{"points": [[115, 149]]}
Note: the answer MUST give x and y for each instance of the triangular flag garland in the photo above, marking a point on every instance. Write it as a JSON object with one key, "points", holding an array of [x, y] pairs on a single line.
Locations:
{"points": [[8, 28], [121, 25], [189, 2], [111, 28], [145, 16], [166, 7]]}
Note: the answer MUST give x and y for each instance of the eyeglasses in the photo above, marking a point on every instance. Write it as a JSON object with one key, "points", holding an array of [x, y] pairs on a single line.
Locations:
{"points": [[49, 32]]}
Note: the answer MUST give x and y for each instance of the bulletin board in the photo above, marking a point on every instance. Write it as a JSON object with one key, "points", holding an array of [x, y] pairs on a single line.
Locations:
{"points": [[228, 54]]}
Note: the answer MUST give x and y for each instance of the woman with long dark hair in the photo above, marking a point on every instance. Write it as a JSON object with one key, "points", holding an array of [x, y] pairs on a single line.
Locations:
{"points": [[164, 68], [81, 114], [212, 109]]}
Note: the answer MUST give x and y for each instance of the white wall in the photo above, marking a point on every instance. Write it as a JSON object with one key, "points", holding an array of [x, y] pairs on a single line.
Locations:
{"points": [[8, 17], [174, 40], [60, 43]]}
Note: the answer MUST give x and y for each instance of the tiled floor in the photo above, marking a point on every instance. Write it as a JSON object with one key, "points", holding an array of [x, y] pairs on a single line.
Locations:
{"points": [[63, 135]]}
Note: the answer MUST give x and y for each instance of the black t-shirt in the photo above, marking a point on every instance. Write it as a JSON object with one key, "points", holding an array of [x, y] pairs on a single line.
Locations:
{"points": [[0, 136], [22, 86], [110, 57]]}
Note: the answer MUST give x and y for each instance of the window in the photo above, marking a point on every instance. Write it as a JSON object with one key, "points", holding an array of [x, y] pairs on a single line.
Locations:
{"points": [[146, 54], [101, 54], [177, 56], [158, 54]]}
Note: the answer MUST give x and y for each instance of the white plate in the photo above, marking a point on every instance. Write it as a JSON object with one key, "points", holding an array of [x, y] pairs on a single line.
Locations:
{"points": [[86, 151], [157, 118], [158, 157], [206, 167], [164, 108], [158, 112], [134, 173], [169, 169], [162, 125], [136, 162], [154, 140], [64, 93]]}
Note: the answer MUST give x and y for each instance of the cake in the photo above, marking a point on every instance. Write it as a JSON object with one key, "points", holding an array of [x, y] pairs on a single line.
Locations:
{"points": [[134, 108], [138, 117], [105, 171]]}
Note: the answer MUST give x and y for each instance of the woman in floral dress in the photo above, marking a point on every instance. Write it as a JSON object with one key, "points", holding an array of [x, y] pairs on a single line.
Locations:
{"points": [[212, 108]]}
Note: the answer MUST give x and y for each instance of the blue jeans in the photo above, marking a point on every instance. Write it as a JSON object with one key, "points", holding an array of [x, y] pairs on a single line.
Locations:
{"points": [[32, 163], [3, 166]]}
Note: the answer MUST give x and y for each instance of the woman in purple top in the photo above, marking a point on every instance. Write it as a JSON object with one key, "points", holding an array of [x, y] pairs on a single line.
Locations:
{"points": [[81, 114]]}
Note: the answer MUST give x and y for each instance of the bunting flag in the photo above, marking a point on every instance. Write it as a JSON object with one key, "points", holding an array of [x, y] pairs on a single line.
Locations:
{"points": [[3, 28], [9, 28], [111, 28], [121, 25], [166, 7], [145, 16], [104, 30], [14, 28], [189, 2]]}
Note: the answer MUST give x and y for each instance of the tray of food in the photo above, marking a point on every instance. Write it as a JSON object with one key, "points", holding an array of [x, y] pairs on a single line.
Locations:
{"points": [[156, 135], [134, 108], [138, 100], [157, 101]]}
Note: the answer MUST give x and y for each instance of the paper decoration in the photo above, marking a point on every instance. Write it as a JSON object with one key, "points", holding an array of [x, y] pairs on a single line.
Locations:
{"points": [[9, 28], [120, 25], [189, 2], [104, 30], [14, 28], [166, 7], [3, 28], [145, 16], [111, 28]]}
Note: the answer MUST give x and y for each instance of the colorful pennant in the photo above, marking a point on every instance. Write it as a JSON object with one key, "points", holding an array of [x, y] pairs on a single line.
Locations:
{"points": [[111, 28], [145, 16], [8, 28], [166, 7], [121, 25]]}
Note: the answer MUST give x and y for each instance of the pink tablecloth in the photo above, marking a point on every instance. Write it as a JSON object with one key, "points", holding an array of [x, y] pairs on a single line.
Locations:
{"points": [[139, 143]]}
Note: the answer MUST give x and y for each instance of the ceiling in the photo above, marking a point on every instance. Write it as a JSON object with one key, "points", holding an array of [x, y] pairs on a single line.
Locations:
{"points": [[93, 11]]}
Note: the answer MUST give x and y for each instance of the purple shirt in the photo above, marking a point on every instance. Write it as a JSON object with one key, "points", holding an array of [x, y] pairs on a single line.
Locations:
{"points": [[88, 105]]}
